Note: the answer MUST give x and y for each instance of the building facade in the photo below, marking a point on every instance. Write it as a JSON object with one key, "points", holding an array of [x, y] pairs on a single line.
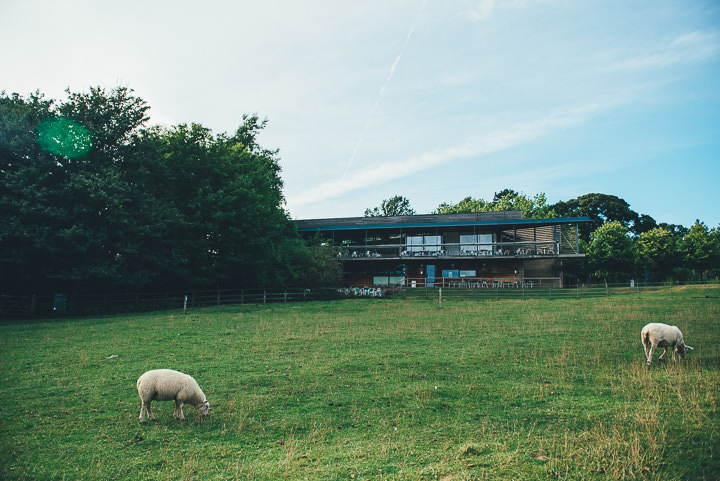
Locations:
{"points": [[487, 249]]}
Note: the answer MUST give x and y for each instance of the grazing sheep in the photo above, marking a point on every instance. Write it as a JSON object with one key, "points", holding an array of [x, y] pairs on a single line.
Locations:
{"points": [[166, 385], [657, 334]]}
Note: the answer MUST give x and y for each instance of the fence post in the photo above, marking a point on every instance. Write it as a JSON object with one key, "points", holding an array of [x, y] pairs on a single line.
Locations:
{"points": [[440, 297], [264, 296], [218, 297], [185, 305]]}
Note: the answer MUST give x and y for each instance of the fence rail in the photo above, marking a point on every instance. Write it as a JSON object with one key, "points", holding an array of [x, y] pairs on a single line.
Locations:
{"points": [[549, 292], [59, 305]]}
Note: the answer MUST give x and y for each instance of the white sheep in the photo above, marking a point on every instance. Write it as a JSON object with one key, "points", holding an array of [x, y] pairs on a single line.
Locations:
{"points": [[657, 334], [167, 385]]}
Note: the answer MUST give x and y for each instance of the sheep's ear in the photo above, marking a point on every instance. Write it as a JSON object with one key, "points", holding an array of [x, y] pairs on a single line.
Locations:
{"points": [[691, 348]]}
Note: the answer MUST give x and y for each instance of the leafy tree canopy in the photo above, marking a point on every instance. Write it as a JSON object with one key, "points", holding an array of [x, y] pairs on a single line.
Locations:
{"points": [[601, 208], [611, 252], [397, 205], [657, 249], [93, 199], [532, 207], [700, 248]]}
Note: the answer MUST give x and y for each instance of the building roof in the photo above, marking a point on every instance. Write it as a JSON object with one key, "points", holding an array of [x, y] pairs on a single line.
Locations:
{"points": [[503, 218]]}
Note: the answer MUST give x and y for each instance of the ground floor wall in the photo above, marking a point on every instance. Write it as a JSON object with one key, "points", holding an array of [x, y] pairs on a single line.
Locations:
{"points": [[406, 272]]}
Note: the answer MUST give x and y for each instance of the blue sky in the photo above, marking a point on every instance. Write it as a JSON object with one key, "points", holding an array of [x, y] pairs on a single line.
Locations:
{"points": [[431, 100]]}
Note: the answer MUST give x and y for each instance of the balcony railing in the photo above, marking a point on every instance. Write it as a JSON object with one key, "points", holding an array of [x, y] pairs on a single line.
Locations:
{"points": [[451, 250]]}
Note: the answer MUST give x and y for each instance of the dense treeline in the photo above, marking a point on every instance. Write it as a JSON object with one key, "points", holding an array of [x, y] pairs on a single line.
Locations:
{"points": [[619, 243], [95, 200]]}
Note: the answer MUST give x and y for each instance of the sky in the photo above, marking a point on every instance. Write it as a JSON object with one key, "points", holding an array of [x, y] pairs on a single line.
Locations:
{"points": [[431, 100]]}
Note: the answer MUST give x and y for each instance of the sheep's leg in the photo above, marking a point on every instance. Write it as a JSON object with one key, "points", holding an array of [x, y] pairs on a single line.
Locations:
{"points": [[650, 354], [662, 356], [178, 410], [146, 411], [672, 354]]}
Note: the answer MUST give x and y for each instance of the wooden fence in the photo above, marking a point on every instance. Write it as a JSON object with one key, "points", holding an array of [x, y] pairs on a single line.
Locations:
{"points": [[525, 292], [60, 305]]}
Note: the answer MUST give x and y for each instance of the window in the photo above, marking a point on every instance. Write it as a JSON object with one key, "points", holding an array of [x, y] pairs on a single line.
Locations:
{"points": [[424, 243], [432, 243], [415, 243], [476, 242]]}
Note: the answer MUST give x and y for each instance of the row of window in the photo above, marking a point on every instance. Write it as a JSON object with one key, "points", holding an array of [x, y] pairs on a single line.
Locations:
{"points": [[433, 243]]}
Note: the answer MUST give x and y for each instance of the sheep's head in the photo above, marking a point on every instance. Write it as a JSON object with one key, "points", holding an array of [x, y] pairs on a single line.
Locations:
{"points": [[203, 407], [682, 349]]}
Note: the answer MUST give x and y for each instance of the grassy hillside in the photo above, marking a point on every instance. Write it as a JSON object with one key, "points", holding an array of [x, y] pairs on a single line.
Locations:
{"points": [[369, 389]]}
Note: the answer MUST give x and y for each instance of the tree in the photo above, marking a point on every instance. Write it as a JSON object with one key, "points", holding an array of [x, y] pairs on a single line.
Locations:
{"points": [[611, 253], [507, 199], [657, 249], [643, 223], [95, 200], [69, 198], [26, 175], [700, 248], [600, 208], [320, 267], [676, 230], [229, 197], [467, 205], [505, 193], [397, 205], [532, 208]]}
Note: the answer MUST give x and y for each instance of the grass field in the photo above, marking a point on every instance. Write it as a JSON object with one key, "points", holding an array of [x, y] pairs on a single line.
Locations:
{"points": [[370, 389]]}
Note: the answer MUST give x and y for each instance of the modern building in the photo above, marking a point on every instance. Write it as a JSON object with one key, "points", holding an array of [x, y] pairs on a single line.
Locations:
{"points": [[485, 249]]}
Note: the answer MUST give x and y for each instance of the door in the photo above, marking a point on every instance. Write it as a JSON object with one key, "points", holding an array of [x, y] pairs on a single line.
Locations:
{"points": [[430, 276]]}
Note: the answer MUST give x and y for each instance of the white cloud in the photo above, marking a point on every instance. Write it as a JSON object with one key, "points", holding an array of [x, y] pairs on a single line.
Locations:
{"points": [[482, 10], [498, 140], [473, 92], [687, 48]]}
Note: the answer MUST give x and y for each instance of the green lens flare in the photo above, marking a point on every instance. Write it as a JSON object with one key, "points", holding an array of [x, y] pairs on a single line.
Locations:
{"points": [[65, 138]]}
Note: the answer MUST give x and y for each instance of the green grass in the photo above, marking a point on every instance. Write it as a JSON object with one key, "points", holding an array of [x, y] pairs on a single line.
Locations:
{"points": [[369, 389]]}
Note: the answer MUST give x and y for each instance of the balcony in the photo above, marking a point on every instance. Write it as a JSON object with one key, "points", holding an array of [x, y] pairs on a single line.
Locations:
{"points": [[525, 249]]}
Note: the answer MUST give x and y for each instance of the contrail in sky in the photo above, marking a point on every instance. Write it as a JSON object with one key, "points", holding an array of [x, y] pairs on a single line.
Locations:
{"points": [[382, 89], [488, 142]]}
